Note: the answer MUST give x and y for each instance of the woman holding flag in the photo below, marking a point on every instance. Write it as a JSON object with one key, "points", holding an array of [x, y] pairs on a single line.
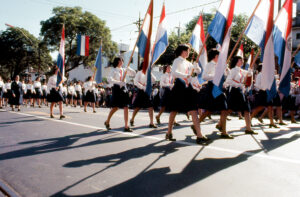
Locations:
{"points": [[182, 101], [120, 96]]}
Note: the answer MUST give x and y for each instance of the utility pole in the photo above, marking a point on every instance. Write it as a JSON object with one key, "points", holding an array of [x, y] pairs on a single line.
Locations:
{"points": [[178, 31], [139, 24]]}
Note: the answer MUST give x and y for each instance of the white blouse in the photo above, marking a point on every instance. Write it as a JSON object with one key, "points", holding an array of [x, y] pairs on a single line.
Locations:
{"points": [[78, 88], [37, 84], [182, 68], [117, 74], [209, 71], [166, 80], [237, 77], [195, 83], [1, 84], [71, 90], [7, 86], [258, 82], [89, 86], [140, 80], [52, 83]]}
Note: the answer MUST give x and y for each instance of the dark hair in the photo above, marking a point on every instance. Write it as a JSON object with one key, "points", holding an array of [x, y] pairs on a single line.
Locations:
{"points": [[165, 68], [234, 61], [212, 54], [116, 61], [53, 70], [141, 66], [259, 67], [88, 78], [180, 49]]}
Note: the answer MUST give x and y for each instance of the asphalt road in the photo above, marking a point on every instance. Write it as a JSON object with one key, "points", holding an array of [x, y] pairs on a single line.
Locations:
{"points": [[76, 156]]}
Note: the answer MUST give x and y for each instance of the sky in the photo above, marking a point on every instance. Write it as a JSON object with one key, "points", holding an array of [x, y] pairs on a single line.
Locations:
{"points": [[27, 14]]}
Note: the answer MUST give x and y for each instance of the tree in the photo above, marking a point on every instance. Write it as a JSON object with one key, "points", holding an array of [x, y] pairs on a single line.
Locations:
{"points": [[77, 22], [239, 23], [19, 51]]}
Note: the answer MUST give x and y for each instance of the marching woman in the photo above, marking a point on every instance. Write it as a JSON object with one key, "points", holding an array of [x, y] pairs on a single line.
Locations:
{"points": [[182, 100], [16, 98], [90, 97], [44, 91], [71, 95], [55, 93], [7, 92], [29, 92], [261, 99], [142, 99], [78, 98], [120, 96], [1, 92], [37, 86], [236, 100], [207, 101]]}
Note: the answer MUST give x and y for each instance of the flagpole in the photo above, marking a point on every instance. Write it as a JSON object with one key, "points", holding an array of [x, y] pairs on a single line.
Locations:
{"points": [[204, 44], [242, 34], [256, 56], [136, 43], [61, 75], [95, 68]]}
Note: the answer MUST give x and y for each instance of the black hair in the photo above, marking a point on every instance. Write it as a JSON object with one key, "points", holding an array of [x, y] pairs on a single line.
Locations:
{"points": [[212, 54], [88, 78], [234, 61], [259, 67], [180, 49], [165, 68], [116, 61], [141, 66]]}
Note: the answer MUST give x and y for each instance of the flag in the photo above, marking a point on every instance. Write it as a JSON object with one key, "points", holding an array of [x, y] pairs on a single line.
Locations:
{"points": [[241, 51], [161, 40], [197, 41], [220, 30], [61, 58], [83, 45], [250, 60], [282, 33], [144, 45], [144, 40], [297, 59], [98, 65], [260, 32]]}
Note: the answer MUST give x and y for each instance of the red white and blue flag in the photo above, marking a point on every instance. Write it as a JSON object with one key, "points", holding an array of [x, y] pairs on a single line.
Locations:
{"points": [[161, 40], [250, 59], [83, 45], [61, 58], [260, 32], [197, 41], [241, 51], [282, 33], [220, 30]]}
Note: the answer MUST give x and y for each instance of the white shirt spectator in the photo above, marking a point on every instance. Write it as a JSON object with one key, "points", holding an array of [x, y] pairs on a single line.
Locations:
{"points": [[140, 80]]}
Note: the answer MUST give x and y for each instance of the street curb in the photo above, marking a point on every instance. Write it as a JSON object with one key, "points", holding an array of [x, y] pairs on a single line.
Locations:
{"points": [[7, 190]]}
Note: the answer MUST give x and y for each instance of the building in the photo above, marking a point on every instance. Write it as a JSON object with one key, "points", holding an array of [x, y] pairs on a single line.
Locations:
{"points": [[296, 26]]}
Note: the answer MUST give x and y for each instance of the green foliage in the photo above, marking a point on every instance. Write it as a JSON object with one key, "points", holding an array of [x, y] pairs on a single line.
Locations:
{"points": [[77, 22], [20, 50], [239, 23]]}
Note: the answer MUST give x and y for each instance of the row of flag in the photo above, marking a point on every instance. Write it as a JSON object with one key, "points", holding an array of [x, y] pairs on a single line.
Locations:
{"points": [[260, 29]]}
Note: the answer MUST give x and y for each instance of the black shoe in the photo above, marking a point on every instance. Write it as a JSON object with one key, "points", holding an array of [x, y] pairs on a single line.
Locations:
{"points": [[84, 110], [19, 109], [40, 106], [293, 121], [12, 109], [51, 116], [176, 124], [152, 126], [157, 120], [260, 120], [202, 140], [219, 128], [62, 117], [228, 119], [127, 129], [241, 118], [107, 126], [226, 136], [273, 125], [251, 132], [209, 117], [187, 116], [170, 137], [282, 123], [94, 111], [194, 130], [132, 123]]}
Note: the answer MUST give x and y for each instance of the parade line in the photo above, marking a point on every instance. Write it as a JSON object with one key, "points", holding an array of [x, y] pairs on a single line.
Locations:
{"points": [[293, 161]]}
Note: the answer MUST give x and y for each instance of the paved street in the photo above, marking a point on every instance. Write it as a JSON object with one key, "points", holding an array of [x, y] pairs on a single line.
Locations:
{"points": [[76, 156]]}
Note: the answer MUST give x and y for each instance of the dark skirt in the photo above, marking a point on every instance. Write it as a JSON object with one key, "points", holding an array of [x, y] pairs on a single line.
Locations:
{"points": [[208, 102], [182, 99], [7, 94], [165, 97], [70, 96], [78, 95], [90, 97], [28, 95], [55, 96], [276, 102], [289, 103], [237, 100], [44, 94], [38, 93], [17, 100], [142, 100], [260, 99], [120, 97], [1, 93]]}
